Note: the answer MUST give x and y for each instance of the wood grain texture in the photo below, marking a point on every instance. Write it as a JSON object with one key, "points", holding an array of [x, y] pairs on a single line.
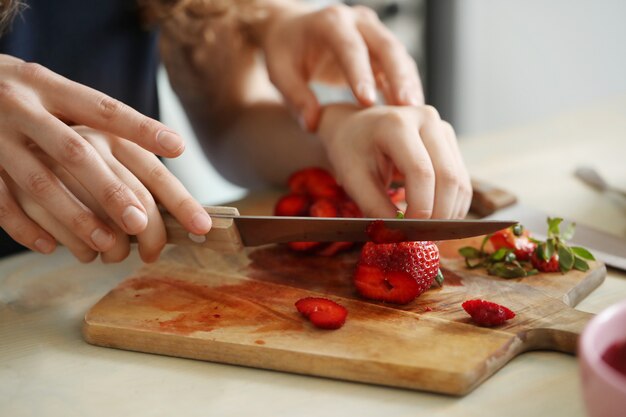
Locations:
{"points": [[239, 309]]}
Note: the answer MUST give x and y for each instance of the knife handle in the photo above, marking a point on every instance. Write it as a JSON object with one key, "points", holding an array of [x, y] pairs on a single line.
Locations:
{"points": [[223, 236], [488, 199]]}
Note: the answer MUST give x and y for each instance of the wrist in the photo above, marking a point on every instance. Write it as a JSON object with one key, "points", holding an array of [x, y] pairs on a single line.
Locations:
{"points": [[332, 118]]}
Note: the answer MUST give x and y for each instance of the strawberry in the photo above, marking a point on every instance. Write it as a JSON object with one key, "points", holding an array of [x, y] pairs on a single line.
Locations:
{"points": [[397, 195], [515, 238], [348, 208], [322, 312], [396, 272], [334, 248], [316, 182], [551, 265], [292, 205], [324, 207], [486, 313], [304, 246], [380, 233]]}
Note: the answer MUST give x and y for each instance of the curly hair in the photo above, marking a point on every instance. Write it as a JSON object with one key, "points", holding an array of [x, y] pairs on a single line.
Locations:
{"points": [[8, 10]]}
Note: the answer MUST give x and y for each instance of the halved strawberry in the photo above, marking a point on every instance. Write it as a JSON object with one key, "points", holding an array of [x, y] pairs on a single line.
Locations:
{"points": [[322, 312], [316, 182], [396, 272], [551, 265], [486, 313], [515, 238], [292, 205]]}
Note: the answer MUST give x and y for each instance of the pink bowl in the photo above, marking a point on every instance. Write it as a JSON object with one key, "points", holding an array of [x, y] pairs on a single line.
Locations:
{"points": [[604, 388]]}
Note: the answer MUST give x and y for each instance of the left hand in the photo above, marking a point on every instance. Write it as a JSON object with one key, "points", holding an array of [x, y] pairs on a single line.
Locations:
{"points": [[337, 44]]}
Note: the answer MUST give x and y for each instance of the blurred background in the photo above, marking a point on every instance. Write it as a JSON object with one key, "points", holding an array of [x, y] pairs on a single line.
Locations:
{"points": [[487, 65]]}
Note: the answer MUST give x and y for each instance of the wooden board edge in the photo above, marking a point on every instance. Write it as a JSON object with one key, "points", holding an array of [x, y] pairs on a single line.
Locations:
{"points": [[586, 286]]}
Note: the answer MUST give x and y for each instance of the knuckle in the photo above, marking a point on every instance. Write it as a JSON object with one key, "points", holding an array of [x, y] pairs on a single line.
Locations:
{"points": [[5, 212], [115, 193], [430, 113], [76, 150], [335, 13], [186, 203], [158, 173], [31, 71], [366, 13], [40, 183], [82, 220], [108, 107], [7, 92], [422, 170], [147, 126], [448, 177]]}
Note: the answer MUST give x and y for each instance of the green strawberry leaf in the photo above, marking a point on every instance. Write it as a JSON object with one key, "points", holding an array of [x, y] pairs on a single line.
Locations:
{"points": [[504, 270], [568, 233], [439, 277], [469, 252], [549, 249], [500, 254], [532, 272], [553, 226], [484, 242], [581, 264], [471, 265], [582, 253], [566, 258], [541, 248]]}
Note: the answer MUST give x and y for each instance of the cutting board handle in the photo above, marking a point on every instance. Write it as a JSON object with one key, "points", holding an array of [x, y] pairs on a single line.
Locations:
{"points": [[223, 236], [559, 331], [488, 199]]}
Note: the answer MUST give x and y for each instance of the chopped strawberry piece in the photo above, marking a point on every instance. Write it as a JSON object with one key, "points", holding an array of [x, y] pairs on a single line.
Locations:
{"points": [[397, 195], [316, 182], [292, 205], [486, 313], [322, 312], [396, 272], [380, 233], [304, 246], [551, 265], [335, 247], [520, 243], [324, 207]]}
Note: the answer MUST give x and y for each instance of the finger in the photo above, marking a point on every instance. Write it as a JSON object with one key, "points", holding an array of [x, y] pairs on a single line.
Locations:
{"points": [[399, 67], [447, 177], [366, 188], [289, 80], [348, 46], [86, 106], [83, 162], [464, 195], [20, 227], [407, 151], [167, 189], [31, 175], [153, 239]]}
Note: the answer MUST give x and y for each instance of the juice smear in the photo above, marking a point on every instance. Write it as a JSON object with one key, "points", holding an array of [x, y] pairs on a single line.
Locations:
{"points": [[615, 356]]}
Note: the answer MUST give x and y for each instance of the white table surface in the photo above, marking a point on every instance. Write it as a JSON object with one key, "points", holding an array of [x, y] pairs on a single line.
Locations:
{"points": [[46, 369]]}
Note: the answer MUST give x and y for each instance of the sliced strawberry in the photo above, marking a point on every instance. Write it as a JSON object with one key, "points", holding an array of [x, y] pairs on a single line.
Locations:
{"points": [[516, 239], [348, 208], [551, 265], [380, 233], [393, 287], [322, 312], [324, 207], [486, 313], [316, 182], [335, 247], [292, 205], [304, 246]]}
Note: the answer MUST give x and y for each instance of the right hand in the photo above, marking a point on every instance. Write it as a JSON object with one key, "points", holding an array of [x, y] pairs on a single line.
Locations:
{"points": [[35, 107]]}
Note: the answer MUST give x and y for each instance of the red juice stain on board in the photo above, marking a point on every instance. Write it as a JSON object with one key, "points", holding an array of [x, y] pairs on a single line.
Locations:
{"points": [[183, 307], [280, 265], [259, 342], [615, 356]]}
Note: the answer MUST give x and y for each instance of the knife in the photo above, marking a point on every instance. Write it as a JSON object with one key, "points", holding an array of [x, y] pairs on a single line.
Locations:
{"points": [[231, 231], [495, 203]]}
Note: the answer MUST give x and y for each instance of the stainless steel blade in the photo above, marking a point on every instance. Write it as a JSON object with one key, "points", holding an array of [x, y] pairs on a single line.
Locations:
{"points": [[260, 230]]}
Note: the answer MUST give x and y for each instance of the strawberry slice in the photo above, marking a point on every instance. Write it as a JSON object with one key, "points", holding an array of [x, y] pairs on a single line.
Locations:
{"points": [[515, 238], [316, 182], [322, 312], [486, 313], [380, 233], [396, 272], [292, 205]]}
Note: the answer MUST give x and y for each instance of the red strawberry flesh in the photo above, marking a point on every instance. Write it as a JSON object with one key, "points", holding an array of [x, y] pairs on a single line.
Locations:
{"points": [[488, 314], [292, 205], [322, 312], [380, 233]]}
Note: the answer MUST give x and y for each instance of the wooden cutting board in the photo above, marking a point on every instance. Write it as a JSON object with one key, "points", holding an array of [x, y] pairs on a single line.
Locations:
{"points": [[239, 309]]}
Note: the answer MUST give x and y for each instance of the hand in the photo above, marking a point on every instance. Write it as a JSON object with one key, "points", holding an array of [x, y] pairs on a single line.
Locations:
{"points": [[35, 105], [366, 146], [337, 44]]}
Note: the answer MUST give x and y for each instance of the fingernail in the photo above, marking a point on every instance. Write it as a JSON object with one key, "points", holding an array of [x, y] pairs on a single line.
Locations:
{"points": [[169, 141], [44, 245], [134, 219], [101, 239], [367, 91], [201, 221]]}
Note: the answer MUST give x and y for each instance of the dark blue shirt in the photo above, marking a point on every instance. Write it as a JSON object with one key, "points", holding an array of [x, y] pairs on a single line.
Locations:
{"points": [[101, 43]]}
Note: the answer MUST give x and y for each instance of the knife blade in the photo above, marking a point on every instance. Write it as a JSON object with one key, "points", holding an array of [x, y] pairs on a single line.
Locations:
{"points": [[231, 231]]}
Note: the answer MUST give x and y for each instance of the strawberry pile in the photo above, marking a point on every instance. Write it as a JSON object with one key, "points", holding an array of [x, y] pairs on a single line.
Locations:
{"points": [[516, 254], [314, 192], [395, 271]]}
